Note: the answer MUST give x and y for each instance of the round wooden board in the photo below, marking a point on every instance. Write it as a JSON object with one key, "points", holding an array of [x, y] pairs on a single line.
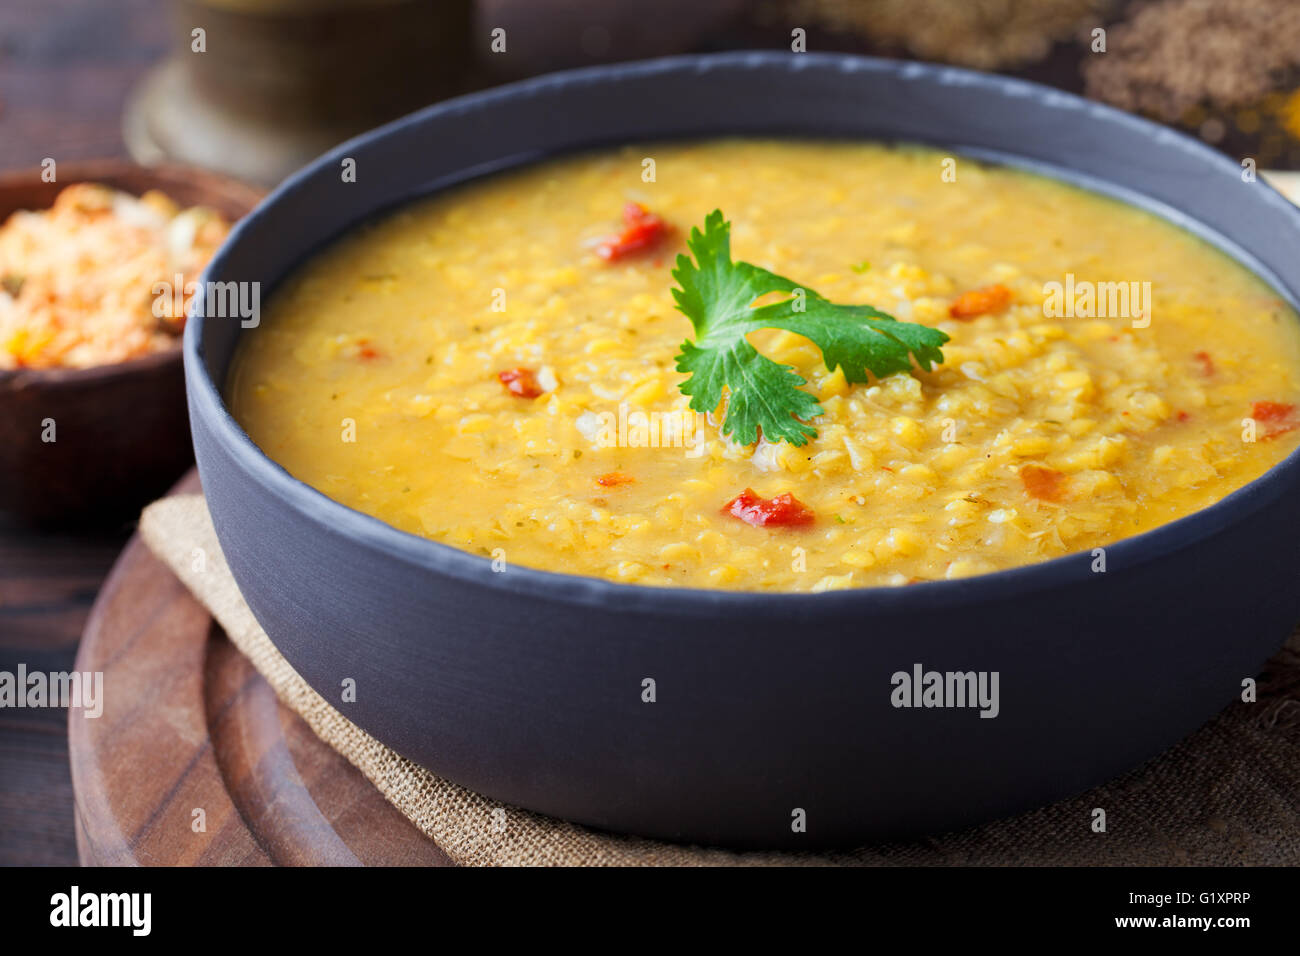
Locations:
{"points": [[188, 725]]}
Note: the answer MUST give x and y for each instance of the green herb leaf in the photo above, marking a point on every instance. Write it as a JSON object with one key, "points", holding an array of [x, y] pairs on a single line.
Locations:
{"points": [[717, 295]]}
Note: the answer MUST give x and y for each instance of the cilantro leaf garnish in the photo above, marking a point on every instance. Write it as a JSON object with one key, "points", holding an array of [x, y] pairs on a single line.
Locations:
{"points": [[717, 294]]}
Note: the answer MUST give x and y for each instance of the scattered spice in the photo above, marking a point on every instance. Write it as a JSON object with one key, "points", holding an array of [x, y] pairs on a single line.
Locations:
{"points": [[1174, 57], [986, 34], [1289, 113]]}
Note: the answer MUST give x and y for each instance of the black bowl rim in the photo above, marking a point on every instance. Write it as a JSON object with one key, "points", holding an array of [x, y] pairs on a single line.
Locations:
{"points": [[669, 601]]}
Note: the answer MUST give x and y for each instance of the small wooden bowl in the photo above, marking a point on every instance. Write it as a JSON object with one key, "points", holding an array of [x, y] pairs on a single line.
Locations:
{"points": [[121, 431]]}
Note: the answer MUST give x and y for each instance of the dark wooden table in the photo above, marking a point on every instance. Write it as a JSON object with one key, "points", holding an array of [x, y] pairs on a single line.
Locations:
{"points": [[65, 69], [47, 584]]}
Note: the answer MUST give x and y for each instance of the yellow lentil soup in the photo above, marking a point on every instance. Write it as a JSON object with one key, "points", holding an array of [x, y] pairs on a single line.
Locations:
{"points": [[488, 369]]}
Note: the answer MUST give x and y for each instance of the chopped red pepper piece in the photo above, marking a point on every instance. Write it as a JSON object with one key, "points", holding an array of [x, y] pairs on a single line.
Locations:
{"points": [[366, 351], [782, 511], [1271, 411], [1279, 417], [613, 479], [641, 230], [1206, 361], [989, 298], [1045, 483], [521, 382]]}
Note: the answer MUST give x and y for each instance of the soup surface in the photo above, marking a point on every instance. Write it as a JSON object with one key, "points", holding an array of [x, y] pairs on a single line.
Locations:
{"points": [[483, 368]]}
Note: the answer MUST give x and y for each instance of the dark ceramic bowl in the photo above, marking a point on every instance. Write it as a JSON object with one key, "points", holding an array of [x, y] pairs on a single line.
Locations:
{"points": [[527, 685], [122, 435]]}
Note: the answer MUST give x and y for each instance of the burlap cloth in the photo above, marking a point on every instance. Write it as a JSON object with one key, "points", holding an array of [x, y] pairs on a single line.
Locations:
{"points": [[1228, 794]]}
